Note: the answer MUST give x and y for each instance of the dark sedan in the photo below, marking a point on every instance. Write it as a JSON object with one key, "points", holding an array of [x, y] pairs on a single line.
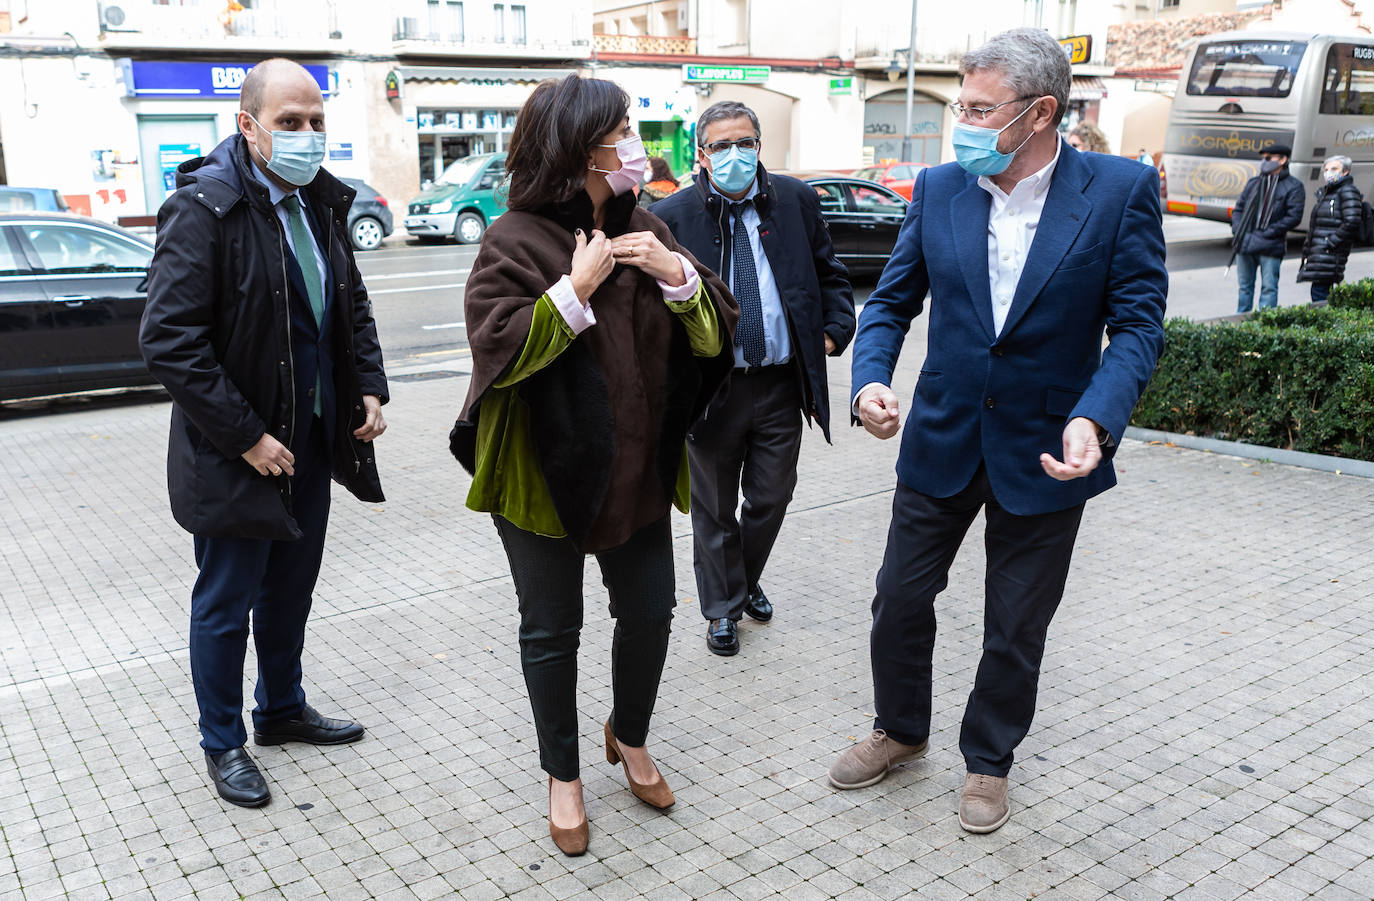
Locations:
{"points": [[864, 218], [72, 291], [369, 219]]}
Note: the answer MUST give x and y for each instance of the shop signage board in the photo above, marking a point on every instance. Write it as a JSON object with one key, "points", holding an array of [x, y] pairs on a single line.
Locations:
{"points": [[340, 151], [393, 85], [182, 81], [840, 87], [736, 74]]}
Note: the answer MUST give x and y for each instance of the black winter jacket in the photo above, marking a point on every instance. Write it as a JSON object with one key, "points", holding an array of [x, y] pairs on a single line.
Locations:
{"points": [[813, 284], [1331, 230], [1285, 216], [216, 333]]}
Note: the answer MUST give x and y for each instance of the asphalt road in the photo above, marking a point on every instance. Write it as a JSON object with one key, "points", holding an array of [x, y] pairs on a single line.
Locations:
{"points": [[417, 290]]}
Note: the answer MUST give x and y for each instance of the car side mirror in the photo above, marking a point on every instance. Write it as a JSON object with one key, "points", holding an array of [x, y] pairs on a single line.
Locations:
{"points": [[426, 184]]}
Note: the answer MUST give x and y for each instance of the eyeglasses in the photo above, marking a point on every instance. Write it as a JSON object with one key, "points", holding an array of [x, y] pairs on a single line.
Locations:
{"points": [[722, 146], [980, 113]]}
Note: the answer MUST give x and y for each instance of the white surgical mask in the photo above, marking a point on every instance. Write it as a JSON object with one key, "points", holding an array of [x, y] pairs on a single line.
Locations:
{"points": [[296, 155]]}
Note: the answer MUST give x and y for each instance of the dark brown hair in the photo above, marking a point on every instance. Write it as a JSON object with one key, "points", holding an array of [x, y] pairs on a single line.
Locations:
{"points": [[557, 128], [659, 170]]}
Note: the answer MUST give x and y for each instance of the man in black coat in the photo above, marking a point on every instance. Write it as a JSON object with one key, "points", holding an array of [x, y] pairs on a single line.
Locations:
{"points": [[259, 326], [765, 236], [1336, 216], [1270, 205]]}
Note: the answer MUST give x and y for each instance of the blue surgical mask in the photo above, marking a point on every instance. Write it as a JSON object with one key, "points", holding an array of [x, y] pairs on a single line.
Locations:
{"points": [[733, 170], [296, 155], [975, 148]]}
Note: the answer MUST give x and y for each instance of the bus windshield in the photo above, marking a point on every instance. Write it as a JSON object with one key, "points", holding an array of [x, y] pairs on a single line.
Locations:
{"points": [[1246, 68]]}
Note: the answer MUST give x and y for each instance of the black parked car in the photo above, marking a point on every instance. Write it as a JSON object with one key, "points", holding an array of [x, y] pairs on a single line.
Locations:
{"points": [[864, 218], [369, 219], [72, 291]]}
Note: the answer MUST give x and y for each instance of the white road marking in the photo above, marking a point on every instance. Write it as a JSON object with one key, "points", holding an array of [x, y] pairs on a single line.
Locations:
{"points": [[429, 328], [417, 288], [375, 278]]}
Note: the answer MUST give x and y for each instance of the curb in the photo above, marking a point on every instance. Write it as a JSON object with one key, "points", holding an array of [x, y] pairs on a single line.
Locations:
{"points": [[1338, 465]]}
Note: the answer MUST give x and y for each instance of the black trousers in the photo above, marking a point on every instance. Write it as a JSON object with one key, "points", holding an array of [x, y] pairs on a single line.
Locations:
{"points": [[1027, 565], [748, 442], [547, 572]]}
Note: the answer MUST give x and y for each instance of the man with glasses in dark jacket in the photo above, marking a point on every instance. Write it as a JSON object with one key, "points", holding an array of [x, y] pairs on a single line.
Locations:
{"points": [[259, 327], [765, 236], [1270, 205]]}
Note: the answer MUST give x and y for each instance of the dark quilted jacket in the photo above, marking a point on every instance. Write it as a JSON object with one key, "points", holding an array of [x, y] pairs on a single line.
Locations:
{"points": [[1331, 230]]}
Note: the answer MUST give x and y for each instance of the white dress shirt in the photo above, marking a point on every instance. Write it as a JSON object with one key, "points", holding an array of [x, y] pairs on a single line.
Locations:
{"points": [[777, 345], [1012, 222]]}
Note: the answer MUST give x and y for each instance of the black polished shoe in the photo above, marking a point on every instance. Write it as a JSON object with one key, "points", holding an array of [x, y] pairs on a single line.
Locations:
{"points": [[722, 637], [237, 778], [311, 728], [758, 607]]}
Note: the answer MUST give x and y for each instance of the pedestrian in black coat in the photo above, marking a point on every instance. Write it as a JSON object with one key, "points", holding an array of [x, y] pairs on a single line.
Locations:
{"points": [[1331, 229], [258, 325], [1270, 205], [766, 237]]}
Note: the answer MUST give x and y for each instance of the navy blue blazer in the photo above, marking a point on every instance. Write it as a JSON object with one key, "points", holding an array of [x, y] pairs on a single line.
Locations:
{"points": [[1097, 262]]}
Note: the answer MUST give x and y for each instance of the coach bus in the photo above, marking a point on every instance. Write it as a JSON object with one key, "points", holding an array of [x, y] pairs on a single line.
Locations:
{"points": [[1242, 91]]}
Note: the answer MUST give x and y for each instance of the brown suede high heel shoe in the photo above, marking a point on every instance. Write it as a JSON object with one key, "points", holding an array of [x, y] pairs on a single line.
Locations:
{"points": [[655, 794], [572, 842]]}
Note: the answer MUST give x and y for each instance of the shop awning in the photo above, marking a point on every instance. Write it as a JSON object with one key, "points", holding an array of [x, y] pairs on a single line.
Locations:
{"points": [[478, 75], [1087, 87]]}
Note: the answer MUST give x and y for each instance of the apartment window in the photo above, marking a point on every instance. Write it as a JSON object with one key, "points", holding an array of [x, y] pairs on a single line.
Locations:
{"points": [[1168, 4], [434, 25], [455, 20], [499, 19], [517, 24]]}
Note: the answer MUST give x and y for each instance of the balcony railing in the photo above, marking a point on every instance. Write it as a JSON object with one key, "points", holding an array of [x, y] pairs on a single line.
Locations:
{"points": [[644, 43], [124, 19]]}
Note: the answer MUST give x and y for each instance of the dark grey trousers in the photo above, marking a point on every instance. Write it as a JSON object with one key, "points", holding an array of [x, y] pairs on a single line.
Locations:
{"points": [[750, 442], [638, 575]]}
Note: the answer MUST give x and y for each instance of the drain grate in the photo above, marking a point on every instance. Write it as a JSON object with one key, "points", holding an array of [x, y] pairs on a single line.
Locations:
{"points": [[427, 376]]}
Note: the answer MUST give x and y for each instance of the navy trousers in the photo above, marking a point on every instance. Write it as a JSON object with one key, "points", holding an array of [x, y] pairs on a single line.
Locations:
{"points": [[274, 580], [1027, 565]]}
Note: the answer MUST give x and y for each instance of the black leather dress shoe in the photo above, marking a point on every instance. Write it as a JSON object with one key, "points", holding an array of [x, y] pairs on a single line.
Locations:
{"points": [[311, 728], [758, 607], [237, 778], [722, 637]]}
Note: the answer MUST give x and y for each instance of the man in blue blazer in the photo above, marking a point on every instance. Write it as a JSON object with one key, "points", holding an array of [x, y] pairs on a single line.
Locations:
{"points": [[1029, 250]]}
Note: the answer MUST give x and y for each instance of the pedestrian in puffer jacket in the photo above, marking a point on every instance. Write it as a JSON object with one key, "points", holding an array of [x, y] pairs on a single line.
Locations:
{"points": [[1332, 228]]}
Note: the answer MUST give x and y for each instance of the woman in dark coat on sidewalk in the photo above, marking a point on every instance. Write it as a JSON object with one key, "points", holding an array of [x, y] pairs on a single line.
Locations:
{"points": [[1332, 228]]}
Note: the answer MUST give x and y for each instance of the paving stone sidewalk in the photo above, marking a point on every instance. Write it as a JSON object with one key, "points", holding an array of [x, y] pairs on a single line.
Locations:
{"points": [[1204, 728]]}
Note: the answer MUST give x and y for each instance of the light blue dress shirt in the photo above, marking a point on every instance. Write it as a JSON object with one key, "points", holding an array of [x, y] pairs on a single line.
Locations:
{"points": [[777, 344], [276, 194]]}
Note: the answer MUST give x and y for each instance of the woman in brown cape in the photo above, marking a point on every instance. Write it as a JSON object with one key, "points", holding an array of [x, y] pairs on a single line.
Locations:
{"points": [[596, 341]]}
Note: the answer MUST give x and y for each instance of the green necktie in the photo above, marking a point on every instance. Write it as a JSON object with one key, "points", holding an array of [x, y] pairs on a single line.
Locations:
{"points": [[304, 244]]}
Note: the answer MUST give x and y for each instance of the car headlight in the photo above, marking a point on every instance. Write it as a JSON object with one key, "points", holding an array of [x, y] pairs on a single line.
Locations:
{"points": [[441, 206]]}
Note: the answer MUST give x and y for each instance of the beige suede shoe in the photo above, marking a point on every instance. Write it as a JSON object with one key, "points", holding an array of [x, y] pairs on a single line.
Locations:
{"points": [[983, 807], [868, 761]]}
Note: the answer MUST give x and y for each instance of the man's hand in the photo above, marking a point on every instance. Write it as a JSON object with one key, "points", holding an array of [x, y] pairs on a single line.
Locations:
{"points": [[646, 252], [270, 457], [1082, 452], [375, 423], [878, 411], [829, 345]]}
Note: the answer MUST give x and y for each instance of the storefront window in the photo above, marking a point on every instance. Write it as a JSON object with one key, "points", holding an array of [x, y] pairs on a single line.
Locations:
{"points": [[447, 135]]}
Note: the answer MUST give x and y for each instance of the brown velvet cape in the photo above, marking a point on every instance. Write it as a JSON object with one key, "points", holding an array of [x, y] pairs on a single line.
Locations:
{"points": [[609, 416]]}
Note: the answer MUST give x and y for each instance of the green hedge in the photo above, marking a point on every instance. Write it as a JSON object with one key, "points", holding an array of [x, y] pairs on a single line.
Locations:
{"points": [[1300, 378]]}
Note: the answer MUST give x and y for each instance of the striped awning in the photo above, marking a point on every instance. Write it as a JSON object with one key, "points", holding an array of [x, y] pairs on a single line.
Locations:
{"points": [[1087, 87], [480, 76]]}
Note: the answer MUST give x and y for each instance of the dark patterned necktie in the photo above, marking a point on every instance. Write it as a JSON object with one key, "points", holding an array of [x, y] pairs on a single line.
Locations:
{"points": [[745, 285]]}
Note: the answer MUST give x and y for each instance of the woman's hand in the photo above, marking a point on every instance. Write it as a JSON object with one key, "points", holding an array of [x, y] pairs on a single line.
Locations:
{"points": [[644, 251], [591, 263]]}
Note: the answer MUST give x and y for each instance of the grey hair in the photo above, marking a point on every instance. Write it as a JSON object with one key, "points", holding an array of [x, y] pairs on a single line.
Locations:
{"points": [[1031, 63], [725, 109], [1345, 161]]}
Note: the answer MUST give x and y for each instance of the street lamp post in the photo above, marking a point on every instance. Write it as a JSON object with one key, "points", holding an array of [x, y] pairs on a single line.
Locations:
{"points": [[910, 86]]}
